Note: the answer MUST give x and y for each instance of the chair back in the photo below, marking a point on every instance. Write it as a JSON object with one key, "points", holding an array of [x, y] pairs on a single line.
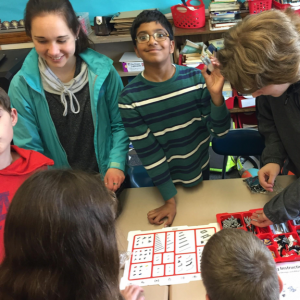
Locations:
{"points": [[239, 142]]}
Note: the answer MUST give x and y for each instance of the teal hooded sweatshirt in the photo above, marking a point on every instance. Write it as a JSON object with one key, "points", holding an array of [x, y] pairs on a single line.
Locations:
{"points": [[35, 129]]}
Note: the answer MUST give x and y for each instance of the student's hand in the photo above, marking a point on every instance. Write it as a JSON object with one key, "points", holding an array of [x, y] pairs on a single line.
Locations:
{"points": [[168, 210], [133, 292], [267, 175], [259, 219], [214, 84], [114, 178], [215, 62]]}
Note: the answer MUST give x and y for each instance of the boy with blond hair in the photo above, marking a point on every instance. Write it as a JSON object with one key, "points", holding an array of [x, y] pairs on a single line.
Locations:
{"points": [[261, 56], [236, 265]]}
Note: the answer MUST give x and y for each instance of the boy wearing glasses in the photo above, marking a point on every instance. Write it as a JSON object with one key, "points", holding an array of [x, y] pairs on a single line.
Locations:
{"points": [[169, 113]]}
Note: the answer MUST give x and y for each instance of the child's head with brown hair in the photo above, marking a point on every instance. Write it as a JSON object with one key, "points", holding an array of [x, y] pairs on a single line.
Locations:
{"points": [[4, 101], [8, 119], [60, 240], [236, 265], [262, 50]]}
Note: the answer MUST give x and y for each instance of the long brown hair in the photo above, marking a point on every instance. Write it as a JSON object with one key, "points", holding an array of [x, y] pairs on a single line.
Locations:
{"points": [[262, 50], [36, 8], [60, 240]]}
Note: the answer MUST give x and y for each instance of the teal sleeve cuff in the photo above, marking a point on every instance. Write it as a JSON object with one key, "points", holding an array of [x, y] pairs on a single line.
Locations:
{"points": [[218, 112], [167, 190], [115, 165]]}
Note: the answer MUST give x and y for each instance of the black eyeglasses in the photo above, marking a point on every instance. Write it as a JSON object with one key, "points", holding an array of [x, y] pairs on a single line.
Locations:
{"points": [[158, 36]]}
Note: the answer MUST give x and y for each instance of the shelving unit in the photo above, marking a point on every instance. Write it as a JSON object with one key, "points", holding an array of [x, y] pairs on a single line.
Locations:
{"points": [[198, 31], [96, 39], [243, 110]]}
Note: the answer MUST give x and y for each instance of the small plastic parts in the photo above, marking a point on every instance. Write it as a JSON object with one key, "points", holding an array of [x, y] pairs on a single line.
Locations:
{"points": [[255, 187], [232, 223], [123, 256]]}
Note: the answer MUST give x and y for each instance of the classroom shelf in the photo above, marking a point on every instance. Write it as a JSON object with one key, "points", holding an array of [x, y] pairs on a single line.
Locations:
{"points": [[108, 39], [236, 109], [197, 31], [21, 37]]}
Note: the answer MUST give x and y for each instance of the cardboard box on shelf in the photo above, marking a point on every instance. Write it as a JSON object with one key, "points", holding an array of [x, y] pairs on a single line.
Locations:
{"points": [[131, 63]]}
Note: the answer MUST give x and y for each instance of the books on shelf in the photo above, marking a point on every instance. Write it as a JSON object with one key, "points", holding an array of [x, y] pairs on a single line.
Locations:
{"points": [[293, 2], [224, 6], [218, 43], [225, 18], [221, 26], [225, 14], [123, 21]]}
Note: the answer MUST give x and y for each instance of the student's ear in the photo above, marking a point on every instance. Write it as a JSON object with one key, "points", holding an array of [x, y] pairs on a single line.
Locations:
{"points": [[280, 284], [137, 52], [172, 46], [14, 116], [206, 297]]}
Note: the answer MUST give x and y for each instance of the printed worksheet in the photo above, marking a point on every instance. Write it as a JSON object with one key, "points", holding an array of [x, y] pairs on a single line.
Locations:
{"points": [[290, 274], [168, 256]]}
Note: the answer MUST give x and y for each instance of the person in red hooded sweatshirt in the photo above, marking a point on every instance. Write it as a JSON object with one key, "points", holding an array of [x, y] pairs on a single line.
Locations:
{"points": [[16, 164]]}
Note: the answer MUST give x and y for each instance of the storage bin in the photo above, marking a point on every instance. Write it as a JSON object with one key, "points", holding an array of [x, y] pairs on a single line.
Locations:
{"points": [[256, 7], [83, 18], [189, 16], [283, 6]]}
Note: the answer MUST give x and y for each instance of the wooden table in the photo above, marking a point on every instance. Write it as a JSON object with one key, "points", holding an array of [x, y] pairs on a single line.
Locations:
{"points": [[199, 206], [195, 206], [136, 204]]}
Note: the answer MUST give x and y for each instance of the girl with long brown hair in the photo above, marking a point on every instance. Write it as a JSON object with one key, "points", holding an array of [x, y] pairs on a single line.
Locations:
{"points": [[60, 241]]}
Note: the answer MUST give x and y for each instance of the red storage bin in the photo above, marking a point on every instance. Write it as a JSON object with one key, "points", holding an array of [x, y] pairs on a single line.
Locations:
{"points": [[184, 17], [247, 118], [240, 99], [265, 233], [256, 7], [283, 6], [230, 102]]}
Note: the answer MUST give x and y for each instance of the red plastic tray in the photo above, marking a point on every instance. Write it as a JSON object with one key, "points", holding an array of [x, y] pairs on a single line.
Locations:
{"points": [[265, 232]]}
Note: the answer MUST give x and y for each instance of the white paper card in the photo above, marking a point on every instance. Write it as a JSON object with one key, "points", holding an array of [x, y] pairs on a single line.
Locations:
{"points": [[248, 102], [168, 256], [290, 274]]}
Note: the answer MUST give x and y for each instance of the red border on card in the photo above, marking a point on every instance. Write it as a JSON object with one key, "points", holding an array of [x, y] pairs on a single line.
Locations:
{"points": [[165, 251]]}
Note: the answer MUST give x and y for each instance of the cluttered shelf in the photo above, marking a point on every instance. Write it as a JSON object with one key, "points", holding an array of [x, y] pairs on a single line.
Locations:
{"points": [[14, 37], [21, 37]]}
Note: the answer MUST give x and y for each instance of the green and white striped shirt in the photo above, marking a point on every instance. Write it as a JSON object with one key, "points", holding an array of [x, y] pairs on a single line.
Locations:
{"points": [[170, 124]]}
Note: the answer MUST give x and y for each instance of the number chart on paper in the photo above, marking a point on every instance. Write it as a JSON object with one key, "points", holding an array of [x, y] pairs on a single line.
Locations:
{"points": [[167, 256]]}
